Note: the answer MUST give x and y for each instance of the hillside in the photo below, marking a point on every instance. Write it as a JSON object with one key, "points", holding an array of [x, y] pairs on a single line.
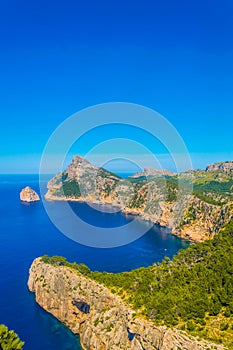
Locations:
{"points": [[193, 292], [194, 205]]}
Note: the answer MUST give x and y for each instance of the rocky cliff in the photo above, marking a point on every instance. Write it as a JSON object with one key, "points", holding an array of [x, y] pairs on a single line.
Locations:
{"points": [[226, 166], [100, 317], [82, 180], [29, 195], [157, 196]]}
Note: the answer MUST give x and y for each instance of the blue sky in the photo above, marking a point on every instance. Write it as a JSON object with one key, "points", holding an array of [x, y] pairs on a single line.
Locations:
{"points": [[57, 57]]}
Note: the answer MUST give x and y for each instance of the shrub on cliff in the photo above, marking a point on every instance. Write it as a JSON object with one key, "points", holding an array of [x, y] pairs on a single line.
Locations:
{"points": [[9, 340], [61, 261]]}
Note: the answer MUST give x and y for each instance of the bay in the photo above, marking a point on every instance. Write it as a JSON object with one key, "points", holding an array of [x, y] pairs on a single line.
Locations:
{"points": [[27, 232]]}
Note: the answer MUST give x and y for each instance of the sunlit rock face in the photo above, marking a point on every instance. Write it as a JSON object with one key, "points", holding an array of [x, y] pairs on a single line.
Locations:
{"points": [[29, 195]]}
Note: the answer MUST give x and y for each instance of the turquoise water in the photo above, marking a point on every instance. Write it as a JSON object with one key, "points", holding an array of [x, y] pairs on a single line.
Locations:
{"points": [[26, 232]]}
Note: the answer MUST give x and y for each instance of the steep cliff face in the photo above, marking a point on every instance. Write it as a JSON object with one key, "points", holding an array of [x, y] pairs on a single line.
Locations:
{"points": [[101, 319], [29, 195], [189, 217]]}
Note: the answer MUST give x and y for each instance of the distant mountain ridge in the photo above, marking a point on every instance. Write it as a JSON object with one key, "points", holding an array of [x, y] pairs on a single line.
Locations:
{"points": [[153, 172], [155, 195], [225, 166]]}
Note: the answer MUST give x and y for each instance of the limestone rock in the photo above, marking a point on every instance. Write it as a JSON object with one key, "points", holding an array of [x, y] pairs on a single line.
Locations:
{"points": [[225, 166], [92, 183], [29, 195], [100, 317]]}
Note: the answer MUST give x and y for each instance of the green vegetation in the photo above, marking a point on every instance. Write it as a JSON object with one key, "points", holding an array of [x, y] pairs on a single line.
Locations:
{"points": [[214, 192], [167, 187], [171, 191], [139, 197], [61, 261], [209, 198], [193, 292], [214, 187], [69, 189], [9, 340]]}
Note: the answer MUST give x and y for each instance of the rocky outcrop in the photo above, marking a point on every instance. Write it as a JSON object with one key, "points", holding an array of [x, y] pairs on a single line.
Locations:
{"points": [[225, 166], [29, 195], [100, 317], [82, 181]]}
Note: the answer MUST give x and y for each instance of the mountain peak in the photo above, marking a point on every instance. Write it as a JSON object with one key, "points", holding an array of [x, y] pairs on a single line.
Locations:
{"points": [[79, 160]]}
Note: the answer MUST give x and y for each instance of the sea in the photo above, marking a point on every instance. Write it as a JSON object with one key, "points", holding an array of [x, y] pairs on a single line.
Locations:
{"points": [[27, 232]]}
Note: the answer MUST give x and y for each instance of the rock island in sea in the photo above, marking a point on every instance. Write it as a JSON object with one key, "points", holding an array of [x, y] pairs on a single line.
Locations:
{"points": [[29, 195]]}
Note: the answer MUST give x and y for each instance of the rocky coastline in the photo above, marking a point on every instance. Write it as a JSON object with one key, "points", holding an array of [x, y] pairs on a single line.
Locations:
{"points": [[195, 217], [101, 318]]}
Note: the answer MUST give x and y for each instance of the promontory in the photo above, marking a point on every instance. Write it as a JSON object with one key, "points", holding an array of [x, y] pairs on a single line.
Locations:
{"points": [[100, 317], [195, 204]]}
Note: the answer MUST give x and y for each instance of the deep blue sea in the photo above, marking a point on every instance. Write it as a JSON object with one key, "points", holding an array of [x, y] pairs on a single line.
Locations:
{"points": [[26, 233]]}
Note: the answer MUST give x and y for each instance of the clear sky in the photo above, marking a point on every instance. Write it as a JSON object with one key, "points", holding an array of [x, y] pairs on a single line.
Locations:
{"points": [[57, 57]]}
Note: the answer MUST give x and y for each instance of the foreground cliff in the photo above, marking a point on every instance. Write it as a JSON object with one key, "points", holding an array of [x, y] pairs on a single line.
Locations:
{"points": [[100, 317], [194, 205]]}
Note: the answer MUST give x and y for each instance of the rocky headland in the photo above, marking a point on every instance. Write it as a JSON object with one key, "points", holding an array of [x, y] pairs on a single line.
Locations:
{"points": [[194, 205], [102, 320], [29, 195]]}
